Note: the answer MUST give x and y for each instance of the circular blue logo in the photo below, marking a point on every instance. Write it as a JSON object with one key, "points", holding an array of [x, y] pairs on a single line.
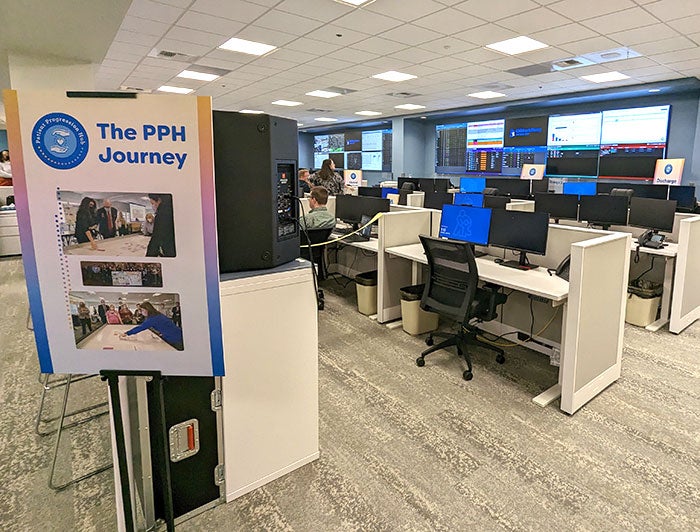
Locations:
{"points": [[60, 141], [533, 171], [668, 169]]}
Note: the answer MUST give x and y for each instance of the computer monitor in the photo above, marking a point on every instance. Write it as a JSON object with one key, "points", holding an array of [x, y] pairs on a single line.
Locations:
{"points": [[521, 231], [338, 159], [539, 185], [684, 197], [514, 187], [654, 214], [640, 190], [603, 210], [559, 206], [435, 200], [468, 224], [351, 208], [472, 199], [496, 202], [581, 188], [388, 190], [433, 184], [370, 192], [472, 184]]}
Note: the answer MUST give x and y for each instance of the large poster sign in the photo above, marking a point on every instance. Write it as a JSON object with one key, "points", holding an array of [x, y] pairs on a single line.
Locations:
{"points": [[115, 201]]}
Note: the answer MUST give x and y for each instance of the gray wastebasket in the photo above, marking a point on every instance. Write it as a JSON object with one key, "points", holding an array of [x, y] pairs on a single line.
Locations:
{"points": [[414, 319], [366, 285]]}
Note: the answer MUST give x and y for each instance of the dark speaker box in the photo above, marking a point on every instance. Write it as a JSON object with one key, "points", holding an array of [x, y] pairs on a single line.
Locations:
{"points": [[255, 163]]}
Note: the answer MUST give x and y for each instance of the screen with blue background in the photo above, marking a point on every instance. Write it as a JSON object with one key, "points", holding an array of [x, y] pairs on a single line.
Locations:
{"points": [[471, 198], [472, 184], [468, 224], [389, 190], [581, 189]]}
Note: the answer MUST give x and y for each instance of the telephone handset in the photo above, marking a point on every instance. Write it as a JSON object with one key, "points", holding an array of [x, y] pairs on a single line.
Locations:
{"points": [[650, 239], [563, 269]]}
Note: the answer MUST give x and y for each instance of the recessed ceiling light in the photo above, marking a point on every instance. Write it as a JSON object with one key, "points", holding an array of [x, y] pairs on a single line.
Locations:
{"points": [[605, 76], [176, 90], [247, 47], [251, 112], [517, 45], [286, 103], [354, 2], [392, 75], [654, 90], [325, 119], [368, 113], [193, 74], [323, 94], [485, 95], [409, 106]]}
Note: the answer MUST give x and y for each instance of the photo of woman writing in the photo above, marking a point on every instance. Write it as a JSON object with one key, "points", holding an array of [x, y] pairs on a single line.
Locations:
{"points": [[86, 222], [158, 323]]}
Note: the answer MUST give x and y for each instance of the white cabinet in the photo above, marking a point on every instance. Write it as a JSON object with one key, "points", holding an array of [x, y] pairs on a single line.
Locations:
{"points": [[9, 234]]}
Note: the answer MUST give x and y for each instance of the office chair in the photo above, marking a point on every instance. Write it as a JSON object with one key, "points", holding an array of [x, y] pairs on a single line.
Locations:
{"points": [[316, 236], [452, 291], [404, 191], [623, 192], [490, 191]]}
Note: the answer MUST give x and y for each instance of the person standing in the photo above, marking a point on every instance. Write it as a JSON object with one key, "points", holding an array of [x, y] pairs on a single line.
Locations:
{"points": [[102, 309], [5, 169], [125, 315], [84, 316], [147, 225], [162, 243], [177, 318], [113, 316], [86, 222], [328, 178], [106, 219]]}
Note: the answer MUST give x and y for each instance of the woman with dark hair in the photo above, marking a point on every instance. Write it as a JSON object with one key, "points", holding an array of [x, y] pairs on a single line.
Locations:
{"points": [[160, 324], [328, 178], [162, 243], [86, 222]]}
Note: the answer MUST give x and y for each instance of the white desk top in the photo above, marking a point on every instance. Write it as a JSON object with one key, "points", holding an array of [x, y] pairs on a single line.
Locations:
{"points": [[669, 250], [537, 282], [107, 337], [368, 245]]}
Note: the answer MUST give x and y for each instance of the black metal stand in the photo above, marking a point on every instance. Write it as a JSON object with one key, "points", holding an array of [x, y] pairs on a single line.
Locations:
{"points": [[160, 439]]}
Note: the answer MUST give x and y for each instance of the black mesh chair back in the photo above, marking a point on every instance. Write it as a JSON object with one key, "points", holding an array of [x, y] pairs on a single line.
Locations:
{"points": [[404, 191], [316, 236], [627, 192]]}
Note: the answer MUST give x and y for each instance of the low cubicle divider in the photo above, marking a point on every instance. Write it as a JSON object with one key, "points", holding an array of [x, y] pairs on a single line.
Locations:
{"points": [[685, 306]]}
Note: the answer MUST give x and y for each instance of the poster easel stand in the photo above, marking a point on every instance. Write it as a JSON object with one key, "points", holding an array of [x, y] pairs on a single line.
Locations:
{"points": [[159, 441]]}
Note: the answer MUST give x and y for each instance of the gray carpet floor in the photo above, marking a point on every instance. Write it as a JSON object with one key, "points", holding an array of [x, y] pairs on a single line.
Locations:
{"points": [[402, 447]]}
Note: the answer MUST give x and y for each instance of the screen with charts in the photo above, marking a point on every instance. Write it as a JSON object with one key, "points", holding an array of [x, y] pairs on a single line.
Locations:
{"points": [[631, 142], [485, 146], [450, 148], [573, 144], [355, 149], [525, 142]]}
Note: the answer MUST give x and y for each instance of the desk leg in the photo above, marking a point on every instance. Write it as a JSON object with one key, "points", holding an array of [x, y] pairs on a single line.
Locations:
{"points": [[669, 269], [416, 272], [553, 393]]}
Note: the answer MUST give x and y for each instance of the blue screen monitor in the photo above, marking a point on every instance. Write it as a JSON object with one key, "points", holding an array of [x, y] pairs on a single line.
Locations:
{"points": [[389, 190], [472, 184], [582, 188], [468, 224], [472, 199]]}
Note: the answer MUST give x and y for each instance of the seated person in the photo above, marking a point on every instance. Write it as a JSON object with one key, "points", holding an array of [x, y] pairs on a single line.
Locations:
{"points": [[318, 217], [304, 183]]}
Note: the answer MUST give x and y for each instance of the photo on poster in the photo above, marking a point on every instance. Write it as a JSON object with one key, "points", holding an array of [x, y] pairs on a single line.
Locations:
{"points": [[126, 321], [129, 224], [148, 274]]}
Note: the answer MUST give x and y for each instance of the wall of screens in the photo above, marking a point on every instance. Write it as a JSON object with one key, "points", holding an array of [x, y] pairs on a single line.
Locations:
{"points": [[355, 149], [614, 144]]}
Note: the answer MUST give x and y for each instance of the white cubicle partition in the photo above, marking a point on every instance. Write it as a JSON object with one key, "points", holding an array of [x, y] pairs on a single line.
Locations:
{"points": [[592, 341], [396, 229], [685, 306]]}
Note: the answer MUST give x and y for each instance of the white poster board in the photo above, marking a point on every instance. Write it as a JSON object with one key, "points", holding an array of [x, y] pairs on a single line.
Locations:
{"points": [[668, 171], [353, 178], [532, 171], [102, 295]]}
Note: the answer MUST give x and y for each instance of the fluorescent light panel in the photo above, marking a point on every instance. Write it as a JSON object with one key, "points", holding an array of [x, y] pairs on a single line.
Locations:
{"points": [[251, 112], [605, 76], [286, 103], [323, 94], [485, 95], [517, 45], [201, 76], [393, 75], [368, 113], [409, 106], [247, 47], [176, 90], [354, 2], [325, 119]]}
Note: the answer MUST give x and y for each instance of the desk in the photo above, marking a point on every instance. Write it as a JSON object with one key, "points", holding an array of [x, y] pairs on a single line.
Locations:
{"points": [[119, 246], [9, 234], [107, 337], [669, 253]]}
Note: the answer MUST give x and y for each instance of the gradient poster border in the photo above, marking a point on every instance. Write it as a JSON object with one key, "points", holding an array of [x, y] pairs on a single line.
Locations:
{"points": [[80, 167]]}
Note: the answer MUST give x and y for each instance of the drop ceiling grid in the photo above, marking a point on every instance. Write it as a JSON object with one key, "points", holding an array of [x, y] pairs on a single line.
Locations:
{"points": [[444, 53]]}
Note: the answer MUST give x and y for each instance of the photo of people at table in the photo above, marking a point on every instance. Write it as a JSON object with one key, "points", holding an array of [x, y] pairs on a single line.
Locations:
{"points": [[126, 321], [148, 274], [117, 223]]}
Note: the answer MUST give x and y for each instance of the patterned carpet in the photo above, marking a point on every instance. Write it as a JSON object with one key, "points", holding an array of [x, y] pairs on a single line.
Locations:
{"points": [[407, 448]]}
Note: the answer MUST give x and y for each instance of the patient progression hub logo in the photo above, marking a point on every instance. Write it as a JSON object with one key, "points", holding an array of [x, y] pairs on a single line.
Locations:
{"points": [[60, 141]]}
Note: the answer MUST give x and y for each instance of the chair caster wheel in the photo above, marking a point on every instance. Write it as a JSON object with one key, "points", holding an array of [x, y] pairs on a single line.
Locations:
{"points": [[420, 362], [429, 341], [467, 375], [500, 359]]}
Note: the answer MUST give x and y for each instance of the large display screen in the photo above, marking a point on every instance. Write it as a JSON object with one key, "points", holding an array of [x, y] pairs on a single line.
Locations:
{"points": [[451, 148], [485, 146], [355, 150], [573, 144], [525, 142]]}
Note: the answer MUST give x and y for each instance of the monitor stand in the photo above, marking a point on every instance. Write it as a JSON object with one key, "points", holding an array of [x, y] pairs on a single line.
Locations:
{"points": [[477, 253], [522, 264]]}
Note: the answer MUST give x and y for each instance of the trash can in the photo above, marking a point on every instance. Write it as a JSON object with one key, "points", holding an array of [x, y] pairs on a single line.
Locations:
{"points": [[366, 285], [643, 298], [416, 320]]}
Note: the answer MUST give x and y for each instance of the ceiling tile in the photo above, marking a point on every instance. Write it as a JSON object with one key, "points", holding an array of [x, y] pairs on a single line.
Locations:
{"points": [[686, 25], [665, 45], [367, 22], [406, 11], [447, 63], [210, 23], [533, 20], [674, 9], [240, 11], [577, 10], [322, 10], [133, 37], [491, 10], [587, 46], [154, 11], [142, 25], [448, 45], [449, 21], [564, 34], [378, 45], [645, 34], [352, 55], [411, 35], [487, 34], [480, 55], [210, 40], [311, 46], [334, 34], [679, 55], [287, 22], [331, 65], [258, 34], [620, 21], [182, 47]]}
